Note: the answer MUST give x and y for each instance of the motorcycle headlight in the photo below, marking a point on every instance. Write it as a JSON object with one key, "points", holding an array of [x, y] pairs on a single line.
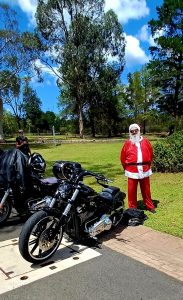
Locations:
{"points": [[64, 191], [66, 169]]}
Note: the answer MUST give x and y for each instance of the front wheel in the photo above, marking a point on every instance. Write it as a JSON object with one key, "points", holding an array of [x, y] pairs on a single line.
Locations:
{"points": [[5, 212], [37, 242]]}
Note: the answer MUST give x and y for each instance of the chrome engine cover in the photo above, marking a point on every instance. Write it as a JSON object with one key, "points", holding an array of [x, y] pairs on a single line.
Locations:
{"points": [[104, 223]]}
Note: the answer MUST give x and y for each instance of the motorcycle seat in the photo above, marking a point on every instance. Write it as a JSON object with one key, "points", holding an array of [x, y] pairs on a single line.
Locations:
{"points": [[49, 180], [109, 193], [112, 190]]}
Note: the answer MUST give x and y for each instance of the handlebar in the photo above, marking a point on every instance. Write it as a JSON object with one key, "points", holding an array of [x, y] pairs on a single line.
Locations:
{"points": [[98, 177]]}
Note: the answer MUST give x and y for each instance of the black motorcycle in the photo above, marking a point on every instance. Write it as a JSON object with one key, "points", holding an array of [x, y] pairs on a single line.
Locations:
{"points": [[22, 185], [76, 209]]}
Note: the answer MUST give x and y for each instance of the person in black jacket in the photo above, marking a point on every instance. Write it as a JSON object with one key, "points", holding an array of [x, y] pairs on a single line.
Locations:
{"points": [[22, 143]]}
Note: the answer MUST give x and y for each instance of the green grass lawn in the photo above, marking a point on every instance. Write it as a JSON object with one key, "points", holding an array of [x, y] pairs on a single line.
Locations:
{"points": [[102, 157]]}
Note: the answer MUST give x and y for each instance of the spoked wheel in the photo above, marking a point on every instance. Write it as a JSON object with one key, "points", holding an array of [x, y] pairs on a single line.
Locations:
{"points": [[5, 212], [37, 242]]}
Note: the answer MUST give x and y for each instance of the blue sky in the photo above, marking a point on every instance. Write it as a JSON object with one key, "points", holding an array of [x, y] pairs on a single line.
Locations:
{"points": [[132, 14]]}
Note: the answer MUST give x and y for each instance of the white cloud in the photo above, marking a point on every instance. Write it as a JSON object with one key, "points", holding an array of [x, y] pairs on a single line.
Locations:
{"points": [[125, 9], [29, 7], [145, 35], [134, 54], [45, 69], [47, 73], [128, 9]]}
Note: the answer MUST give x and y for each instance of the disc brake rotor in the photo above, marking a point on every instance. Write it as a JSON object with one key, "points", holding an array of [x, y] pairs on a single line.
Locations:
{"points": [[46, 241], [3, 211]]}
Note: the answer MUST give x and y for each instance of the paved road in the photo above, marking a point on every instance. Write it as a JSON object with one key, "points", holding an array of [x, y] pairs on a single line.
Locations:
{"points": [[109, 275]]}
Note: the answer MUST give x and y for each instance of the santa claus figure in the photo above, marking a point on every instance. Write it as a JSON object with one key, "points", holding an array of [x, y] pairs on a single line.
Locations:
{"points": [[136, 158]]}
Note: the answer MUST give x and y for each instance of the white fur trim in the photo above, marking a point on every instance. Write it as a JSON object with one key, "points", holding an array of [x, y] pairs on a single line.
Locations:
{"points": [[135, 126], [139, 160], [138, 175]]}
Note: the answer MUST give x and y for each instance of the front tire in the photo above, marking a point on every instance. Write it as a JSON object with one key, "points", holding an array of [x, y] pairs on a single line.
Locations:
{"points": [[36, 243], [5, 212]]}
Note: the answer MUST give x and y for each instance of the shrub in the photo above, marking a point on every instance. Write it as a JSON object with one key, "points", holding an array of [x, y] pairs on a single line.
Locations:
{"points": [[168, 154]]}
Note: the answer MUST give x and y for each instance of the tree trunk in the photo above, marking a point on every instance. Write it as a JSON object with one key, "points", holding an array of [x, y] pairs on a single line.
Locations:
{"points": [[144, 127], [18, 122], [81, 126], [1, 121], [177, 88], [92, 124]]}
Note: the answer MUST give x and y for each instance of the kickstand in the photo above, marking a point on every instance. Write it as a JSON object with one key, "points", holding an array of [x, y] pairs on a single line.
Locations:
{"points": [[92, 242]]}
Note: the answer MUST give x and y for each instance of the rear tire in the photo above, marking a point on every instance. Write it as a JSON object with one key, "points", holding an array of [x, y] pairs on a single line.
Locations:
{"points": [[36, 243], [5, 212]]}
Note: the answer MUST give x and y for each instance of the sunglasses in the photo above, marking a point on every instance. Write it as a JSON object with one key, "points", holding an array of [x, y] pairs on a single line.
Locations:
{"points": [[134, 130]]}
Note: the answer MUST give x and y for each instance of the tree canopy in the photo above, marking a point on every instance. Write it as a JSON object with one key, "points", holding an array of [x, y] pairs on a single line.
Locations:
{"points": [[167, 64], [18, 54], [84, 46], [88, 46]]}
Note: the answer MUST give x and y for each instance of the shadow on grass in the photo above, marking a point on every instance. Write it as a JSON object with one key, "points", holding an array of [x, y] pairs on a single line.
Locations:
{"points": [[141, 205], [108, 170], [33, 146]]}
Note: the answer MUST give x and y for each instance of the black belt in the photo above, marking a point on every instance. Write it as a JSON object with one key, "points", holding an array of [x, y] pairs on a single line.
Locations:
{"points": [[138, 164]]}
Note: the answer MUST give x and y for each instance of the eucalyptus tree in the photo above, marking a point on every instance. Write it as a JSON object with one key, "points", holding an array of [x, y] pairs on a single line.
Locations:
{"points": [[141, 96], [167, 63], [7, 78], [150, 96], [9, 89], [31, 105], [135, 94], [18, 54], [51, 118], [9, 123], [81, 38]]}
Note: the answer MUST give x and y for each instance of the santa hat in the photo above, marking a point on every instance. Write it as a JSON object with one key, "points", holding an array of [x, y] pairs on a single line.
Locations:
{"points": [[134, 126]]}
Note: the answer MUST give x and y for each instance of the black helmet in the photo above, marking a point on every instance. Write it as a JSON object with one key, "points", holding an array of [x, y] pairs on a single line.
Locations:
{"points": [[37, 163]]}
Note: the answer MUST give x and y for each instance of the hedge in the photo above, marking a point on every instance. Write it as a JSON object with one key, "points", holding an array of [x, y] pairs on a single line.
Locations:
{"points": [[168, 154]]}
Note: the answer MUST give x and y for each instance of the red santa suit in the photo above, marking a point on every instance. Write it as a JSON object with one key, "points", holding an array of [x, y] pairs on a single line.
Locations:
{"points": [[136, 159]]}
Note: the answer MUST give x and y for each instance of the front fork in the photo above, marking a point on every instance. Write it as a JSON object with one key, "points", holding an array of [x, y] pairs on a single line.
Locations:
{"points": [[66, 211], [3, 200]]}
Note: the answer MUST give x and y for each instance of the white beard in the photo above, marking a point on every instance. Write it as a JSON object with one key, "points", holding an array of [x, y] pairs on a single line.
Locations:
{"points": [[135, 138]]}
